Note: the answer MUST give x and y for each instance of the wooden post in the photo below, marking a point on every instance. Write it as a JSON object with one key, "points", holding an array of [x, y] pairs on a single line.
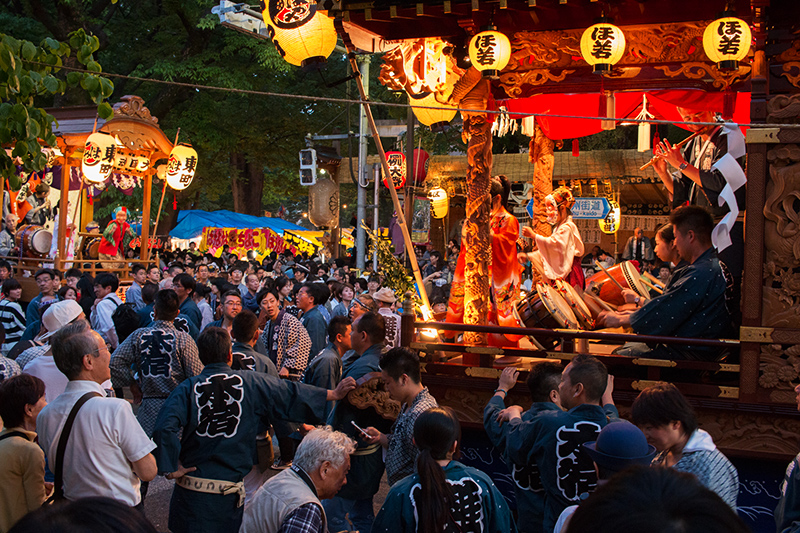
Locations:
{"points": [[66, 170], [147, 185], [87, 210], [407, 320]]}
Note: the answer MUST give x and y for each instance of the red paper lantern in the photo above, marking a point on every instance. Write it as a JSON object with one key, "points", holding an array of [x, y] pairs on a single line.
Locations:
{"points": [[397, 169], [420, 170]]}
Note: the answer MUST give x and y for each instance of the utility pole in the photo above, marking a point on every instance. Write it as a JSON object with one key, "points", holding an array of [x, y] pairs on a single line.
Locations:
{"points": [[363, 128]]}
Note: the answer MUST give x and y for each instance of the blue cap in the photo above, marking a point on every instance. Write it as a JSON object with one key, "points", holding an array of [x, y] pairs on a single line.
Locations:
{"points": [[619, 445]]}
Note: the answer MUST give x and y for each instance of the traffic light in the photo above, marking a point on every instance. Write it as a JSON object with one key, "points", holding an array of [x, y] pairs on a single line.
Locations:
{"points": [[308, 166]]}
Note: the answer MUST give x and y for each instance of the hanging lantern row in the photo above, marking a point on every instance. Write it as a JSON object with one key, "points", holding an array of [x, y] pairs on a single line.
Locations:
{"points": [[439, 202], [302, 34], [489, 52]]}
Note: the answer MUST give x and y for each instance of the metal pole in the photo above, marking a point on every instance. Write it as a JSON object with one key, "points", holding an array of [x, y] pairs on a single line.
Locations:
{"points": [[376, 174], [363, 130]]}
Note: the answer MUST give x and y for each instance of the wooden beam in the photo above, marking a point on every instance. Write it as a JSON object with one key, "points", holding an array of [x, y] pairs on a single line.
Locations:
{"points": [[66, 170]]}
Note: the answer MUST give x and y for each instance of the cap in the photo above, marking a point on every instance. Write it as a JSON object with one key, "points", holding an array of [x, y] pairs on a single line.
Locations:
{"points": [[620, 444], [385, 295], [59, 315]]}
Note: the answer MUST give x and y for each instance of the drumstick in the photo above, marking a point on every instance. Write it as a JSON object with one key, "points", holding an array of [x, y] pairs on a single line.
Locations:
{"points": [[598, 300], [609, 275], [652, 278], [646, 282], [659, 156]]}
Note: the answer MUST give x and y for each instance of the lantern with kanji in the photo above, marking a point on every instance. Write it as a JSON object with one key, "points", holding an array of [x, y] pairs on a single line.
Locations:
{"points": [[420, 170], [439, 202], [181, 166], [397, 169], [610, 224], [602, 46], [489, 52], [438, 118], [98, 157], [302, 34], [726, 41], [323, 203]]}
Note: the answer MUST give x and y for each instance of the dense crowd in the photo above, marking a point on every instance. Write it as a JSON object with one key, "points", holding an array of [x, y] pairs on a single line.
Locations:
{"points": [[210, 362]]}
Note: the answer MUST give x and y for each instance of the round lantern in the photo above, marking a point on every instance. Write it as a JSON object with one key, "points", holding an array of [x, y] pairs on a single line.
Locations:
{"points": [[610, 224], [602, 46], [181, 166], [489, 52], [303, 35], [397, 169], [98, 157], [439, 203], [420, 169], [436, 119], [323, 204], [726, 41]]}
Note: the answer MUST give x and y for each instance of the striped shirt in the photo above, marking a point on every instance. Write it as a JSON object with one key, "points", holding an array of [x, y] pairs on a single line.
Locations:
{"points": [[13, 322]]}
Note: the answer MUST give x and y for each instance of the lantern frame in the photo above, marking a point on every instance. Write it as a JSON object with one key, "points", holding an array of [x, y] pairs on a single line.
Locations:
{"points": [[604, 65], [503, 48], [727, 62]]}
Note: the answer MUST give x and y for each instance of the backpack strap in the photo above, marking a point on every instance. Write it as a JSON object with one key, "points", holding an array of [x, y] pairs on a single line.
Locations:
{"points": [[58, 494], [14, 434]]}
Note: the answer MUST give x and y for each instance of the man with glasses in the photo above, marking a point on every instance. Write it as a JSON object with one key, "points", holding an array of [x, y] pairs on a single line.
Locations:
{"points": [[231, 306], [363, 303]]}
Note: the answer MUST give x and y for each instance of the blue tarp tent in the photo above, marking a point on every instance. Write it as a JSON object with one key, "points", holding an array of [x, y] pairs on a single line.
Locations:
{"points": [[191, 223]]}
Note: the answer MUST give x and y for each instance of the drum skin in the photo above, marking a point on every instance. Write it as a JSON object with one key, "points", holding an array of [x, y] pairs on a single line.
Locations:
{"points": [[91, 247], [34, 241], [574, 298], [545, 309], [625, 274]]}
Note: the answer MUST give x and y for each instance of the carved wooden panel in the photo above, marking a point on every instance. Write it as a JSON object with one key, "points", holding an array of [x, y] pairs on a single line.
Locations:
{"points": [[372, 394]]}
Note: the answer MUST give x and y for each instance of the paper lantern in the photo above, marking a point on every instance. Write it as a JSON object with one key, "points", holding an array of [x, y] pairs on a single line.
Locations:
{"points": [[181, 166], [323, 203], [397, 169], [439, 202], [489, 52], [420, 170], [98, 157], [602, 46], [436, 119], [726, 41], [303, 35], [610, 224]]}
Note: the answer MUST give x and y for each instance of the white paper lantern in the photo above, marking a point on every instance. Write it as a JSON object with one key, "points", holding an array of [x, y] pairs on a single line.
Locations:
{"points": [[439, 202], [611, 223], [436, 119], [489, 52], [98, 157], [181, 166], [323, 204], [602, 46], [726, 41]]}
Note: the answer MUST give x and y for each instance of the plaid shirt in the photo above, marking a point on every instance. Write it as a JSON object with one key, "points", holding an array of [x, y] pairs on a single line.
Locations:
{"points": [[402, 454], [305, 519], [32, 353]]}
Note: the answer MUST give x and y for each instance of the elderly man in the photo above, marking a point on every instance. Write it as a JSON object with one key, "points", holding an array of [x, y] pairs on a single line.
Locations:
{"points": [[7, 243], [638, 248], [290, 501], [208, 428], [107, 452]]}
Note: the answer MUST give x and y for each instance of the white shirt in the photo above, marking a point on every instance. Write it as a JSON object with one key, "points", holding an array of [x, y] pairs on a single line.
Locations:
{"points": [[101, 319], [44, 367], [105, 439], [559, 249], [206, 313]]}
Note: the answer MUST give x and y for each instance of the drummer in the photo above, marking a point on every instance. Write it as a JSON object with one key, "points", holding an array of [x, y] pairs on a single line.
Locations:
{"points": [[559, 255], [693, 303]]}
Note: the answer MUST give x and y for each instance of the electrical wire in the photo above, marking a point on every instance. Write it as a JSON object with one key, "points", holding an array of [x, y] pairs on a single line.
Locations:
{"points": [[234, 90]]}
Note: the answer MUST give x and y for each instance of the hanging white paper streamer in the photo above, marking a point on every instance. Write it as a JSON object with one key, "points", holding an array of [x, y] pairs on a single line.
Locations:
{"points": [[644, 127], [734, 179]]}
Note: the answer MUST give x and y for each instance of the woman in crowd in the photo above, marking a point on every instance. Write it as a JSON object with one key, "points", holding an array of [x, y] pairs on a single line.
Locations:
{"points": [[360, 286], [284, 287], [200, 297], [11, 315], [373, 284], [670, 424], [443, 494], [344, 294], [68, 293], [666, 249], [22, 486]]}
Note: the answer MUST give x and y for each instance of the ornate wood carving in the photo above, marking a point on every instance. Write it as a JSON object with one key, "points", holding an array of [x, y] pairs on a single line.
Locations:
{"points": [[791, 63], [751, 432], [132, 106], [697, 70], [372, 394], [540, 154]]}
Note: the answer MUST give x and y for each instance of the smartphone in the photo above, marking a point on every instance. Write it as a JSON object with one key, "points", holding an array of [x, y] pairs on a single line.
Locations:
{"points": [[361, 430]]}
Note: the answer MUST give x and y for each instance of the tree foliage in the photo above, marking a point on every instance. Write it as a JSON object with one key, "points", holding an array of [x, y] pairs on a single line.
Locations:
{"points": [[29, 72]]}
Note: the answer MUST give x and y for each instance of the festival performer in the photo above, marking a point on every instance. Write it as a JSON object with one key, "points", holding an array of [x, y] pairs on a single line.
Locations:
{"points": [[559, 255], [695, 181], [505, 269], [116, 238]]}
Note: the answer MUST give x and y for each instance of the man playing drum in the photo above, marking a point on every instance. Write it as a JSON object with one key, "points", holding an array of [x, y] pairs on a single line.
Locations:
{"points": [[559, 255]]}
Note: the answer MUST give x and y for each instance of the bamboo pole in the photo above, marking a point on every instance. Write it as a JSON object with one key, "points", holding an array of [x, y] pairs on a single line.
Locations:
{"points": [[161, 203], [401, 218]]}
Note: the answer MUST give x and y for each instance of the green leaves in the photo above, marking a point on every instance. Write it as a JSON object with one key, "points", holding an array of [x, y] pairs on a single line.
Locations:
{"points": [[28, 71]]}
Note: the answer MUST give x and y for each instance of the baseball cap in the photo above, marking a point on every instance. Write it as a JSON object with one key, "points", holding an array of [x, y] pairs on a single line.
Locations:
{"points": [[57, 316]]}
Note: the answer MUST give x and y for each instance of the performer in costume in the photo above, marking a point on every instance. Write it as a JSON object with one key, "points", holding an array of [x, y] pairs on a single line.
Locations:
{"points": [[505, 269], [559, 255], [116, 239]]}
